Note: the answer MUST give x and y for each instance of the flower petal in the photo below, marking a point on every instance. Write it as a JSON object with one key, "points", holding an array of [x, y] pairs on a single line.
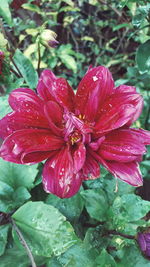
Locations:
{"points": [[56, 89], [125, 89], [114, 118], [79, 157], [21, 120], [22, 142], [91, 168], [142, 135], [54, 116], [25, 99], [128, 172], [58, 175], [95, 86], [121, 145], [117, 110]]}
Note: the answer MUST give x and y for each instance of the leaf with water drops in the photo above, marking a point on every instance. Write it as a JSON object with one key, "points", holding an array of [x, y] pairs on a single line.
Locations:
{"points": [[44, 228]]}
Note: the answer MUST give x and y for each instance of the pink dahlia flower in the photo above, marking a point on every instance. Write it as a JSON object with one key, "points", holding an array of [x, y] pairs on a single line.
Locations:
{"points": [[75, 133]]}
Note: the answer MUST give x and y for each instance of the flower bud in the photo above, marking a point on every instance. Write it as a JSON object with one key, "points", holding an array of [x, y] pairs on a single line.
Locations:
{"points": [[48, 38], [144, 243]]}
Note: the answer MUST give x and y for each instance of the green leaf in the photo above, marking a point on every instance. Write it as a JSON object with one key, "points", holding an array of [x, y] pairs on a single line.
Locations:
{"points": [[69, 62], [17, 175], [5, 11], [141, 14], [15, 257], [26, 68], [44, 228], [143, 57], [3, 238], [63, 205], [4, 106], [32, 8], [133, 207], [131, 256], [105, 259], [96, 203], [14, 181], [76, 256], [126, 213]]}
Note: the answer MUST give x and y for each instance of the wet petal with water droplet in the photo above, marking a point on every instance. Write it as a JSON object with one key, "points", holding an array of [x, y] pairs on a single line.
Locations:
{"points": [[128, 172], [56, 89], [15, 121], [122, 146], [16, 146], [59, 177], [95, 86], [25, 99]]}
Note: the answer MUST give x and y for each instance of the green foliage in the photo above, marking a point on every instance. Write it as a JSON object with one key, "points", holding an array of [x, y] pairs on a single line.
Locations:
{"points": [[96, 203], [99, 225], [26, 68], [45, 229], [5, 11], [143, 57], [63, 205], [15, 181]]}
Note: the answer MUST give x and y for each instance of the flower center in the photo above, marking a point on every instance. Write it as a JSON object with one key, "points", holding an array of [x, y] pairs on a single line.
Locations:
{"points": [[76, 128], [75, 137]]}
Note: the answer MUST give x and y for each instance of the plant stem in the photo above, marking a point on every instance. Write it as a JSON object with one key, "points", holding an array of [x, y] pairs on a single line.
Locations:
{"points": [[23, 242], [39, 59], [113, 232]]}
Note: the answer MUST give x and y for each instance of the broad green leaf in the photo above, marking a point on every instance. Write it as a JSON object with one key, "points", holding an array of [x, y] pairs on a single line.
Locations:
{"points": [[44, 228], [132, 207], [96, 203], [26, 68], [15, 181], [105, 259], [76, 256], [3, 238], [69, 62], [71, 208], [143, 57], [5, 11], [16, 175], [127, 212]]}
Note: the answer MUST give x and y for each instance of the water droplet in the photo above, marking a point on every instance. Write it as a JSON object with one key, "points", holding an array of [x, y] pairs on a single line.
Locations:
{"points": [[95, 78]]}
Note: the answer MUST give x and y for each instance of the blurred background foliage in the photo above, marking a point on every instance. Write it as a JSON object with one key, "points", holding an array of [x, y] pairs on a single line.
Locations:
{"points": [[112, 33]]}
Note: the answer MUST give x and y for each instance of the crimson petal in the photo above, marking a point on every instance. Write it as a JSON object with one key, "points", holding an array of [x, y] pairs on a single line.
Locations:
{"points": [[59, 177], [21, 120], [54, 116], [142, 135], [121, 145], [56, 89], [16, 146], [91, 168], [79, 157], [25, 99], [95, 86], [128, 172]]}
